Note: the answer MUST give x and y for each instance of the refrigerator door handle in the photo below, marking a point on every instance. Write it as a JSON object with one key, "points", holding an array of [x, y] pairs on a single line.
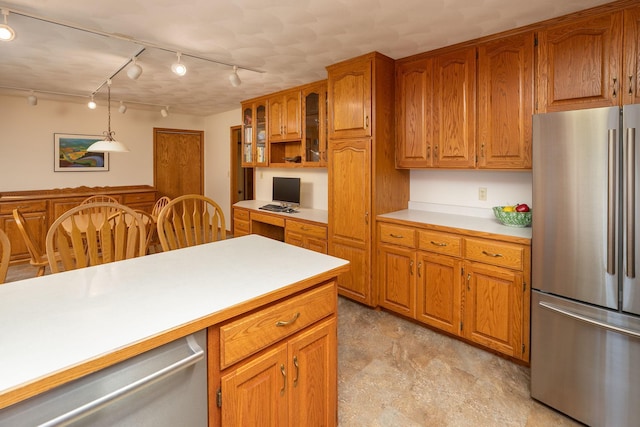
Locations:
{"points": [[630, 203], [611, 204], [197, 353], [585, 319]]}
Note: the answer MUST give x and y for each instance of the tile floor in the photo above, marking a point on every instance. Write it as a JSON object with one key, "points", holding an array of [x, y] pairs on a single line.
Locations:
{"points": [[392, 372]]}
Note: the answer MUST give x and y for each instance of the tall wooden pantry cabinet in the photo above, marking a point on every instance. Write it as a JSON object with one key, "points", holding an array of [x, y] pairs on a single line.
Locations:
{"points": [[363, 180]]}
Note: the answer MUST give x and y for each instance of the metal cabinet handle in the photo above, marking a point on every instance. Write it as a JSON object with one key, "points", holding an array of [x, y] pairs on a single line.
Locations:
{"points": [[284, 379], [491, 254], [630, 85], [429, 151], [295, 363], [288, 322], [97, 404], [411, 267], [366, 122], [630, 203], [419, 269], [438, 243], [468, 281], [611, 202], [615, 87], [396, 236]]}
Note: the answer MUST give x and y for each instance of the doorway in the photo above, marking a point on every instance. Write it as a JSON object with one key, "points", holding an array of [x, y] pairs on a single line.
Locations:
{"points": [[178, 162]]}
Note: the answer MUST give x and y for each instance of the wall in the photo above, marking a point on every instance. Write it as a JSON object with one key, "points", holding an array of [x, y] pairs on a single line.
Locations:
{"points": [[313, 185]]}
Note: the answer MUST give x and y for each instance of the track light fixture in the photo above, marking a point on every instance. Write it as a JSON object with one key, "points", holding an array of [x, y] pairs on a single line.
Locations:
{"points": [[134, 70], [6, 32], [122, 108], [234, 78], [32, 99], [165, 111], [92, 104], [178, 67], [108, 144]]}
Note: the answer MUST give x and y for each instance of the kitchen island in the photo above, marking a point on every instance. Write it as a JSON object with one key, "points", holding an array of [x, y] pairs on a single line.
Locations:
{"points": [[60, 327]]}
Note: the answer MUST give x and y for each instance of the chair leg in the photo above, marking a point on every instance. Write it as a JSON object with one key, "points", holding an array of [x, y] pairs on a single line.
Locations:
{"points": [[40, 271]]}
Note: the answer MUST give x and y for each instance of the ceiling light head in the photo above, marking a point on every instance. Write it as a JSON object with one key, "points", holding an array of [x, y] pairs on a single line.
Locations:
{"points": [[6, 32], [165, 111], [134, 70], [32, 99], [234, 79], [122, 108], [108, 144], [92, 104], [178, 67]]}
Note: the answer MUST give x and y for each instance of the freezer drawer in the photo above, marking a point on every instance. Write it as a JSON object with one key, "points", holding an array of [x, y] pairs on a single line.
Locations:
{"points": [[585, 361], [166, 386]]}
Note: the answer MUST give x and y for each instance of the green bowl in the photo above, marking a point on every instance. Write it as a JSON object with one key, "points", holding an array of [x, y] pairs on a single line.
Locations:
{"points": [[512, 219]]}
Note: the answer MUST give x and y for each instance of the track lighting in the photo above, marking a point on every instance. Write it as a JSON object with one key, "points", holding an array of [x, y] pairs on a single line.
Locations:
{"points": [[108, 144], [6, 32], [165, 111], [178, 67], [32, 99], [134, 70], [122, 108], [234, 78], [92, 104]]}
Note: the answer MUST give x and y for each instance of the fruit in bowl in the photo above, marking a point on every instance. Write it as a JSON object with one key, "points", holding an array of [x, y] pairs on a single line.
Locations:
{"points": [[514, 215]]}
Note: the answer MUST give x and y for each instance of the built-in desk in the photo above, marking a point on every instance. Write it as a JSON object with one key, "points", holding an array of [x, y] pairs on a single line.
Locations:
{"points": [[306, 228]]}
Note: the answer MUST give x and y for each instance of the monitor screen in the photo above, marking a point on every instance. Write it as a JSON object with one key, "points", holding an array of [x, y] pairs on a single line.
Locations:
{"points": [[286, 190]]}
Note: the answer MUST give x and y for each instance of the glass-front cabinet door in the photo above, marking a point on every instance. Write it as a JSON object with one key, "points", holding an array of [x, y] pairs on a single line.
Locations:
{"points": [[254, 133], [314, 100]]}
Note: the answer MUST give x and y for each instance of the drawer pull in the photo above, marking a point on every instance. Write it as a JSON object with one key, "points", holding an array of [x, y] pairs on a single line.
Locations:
{"points": [[288, 322], [284, 380], [295, 363], [396, 236], [303, 228], [438, 243], [492, 254]]}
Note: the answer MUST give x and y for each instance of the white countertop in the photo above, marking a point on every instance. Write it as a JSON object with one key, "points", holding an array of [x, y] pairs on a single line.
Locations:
{"points": [[315, 215], [51, 323], [472, 223]]}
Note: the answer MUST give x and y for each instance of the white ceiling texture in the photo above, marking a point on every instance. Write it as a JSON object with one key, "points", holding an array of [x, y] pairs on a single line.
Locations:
{"points": [[286, 42]]}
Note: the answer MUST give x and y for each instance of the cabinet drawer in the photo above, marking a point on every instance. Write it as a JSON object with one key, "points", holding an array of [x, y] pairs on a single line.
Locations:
{"points": [[134, 198], [241, 214], [241, 226], [25, 206], [250, 334], [267, 219], [493, 252], [307, 229], [397, 235], [442, 243]]}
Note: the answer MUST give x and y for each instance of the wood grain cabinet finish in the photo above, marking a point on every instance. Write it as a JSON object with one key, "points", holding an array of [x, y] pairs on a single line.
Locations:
{"points": [[631, 75], [35, 214], [254, 133], [363, 180], [470, 287], [306, 235], [292, 381], [285, 116]]}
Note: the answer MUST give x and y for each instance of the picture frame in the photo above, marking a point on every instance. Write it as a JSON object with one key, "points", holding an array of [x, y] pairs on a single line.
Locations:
{"points": [[70, 153]]}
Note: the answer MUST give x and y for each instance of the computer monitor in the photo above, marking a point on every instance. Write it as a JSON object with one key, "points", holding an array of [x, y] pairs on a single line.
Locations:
{"points": [[286, 191]]}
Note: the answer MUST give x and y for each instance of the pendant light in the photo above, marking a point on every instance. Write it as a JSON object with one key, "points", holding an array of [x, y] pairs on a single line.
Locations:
{"points": [[234, 78], [108, 145]]}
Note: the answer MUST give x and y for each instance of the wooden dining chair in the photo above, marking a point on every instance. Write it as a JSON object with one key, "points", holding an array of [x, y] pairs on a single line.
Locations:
{"points": [[5, 255], [99, 198], [160, 203], [38, 258], [190, 220], [149, 225], [95, 233]]}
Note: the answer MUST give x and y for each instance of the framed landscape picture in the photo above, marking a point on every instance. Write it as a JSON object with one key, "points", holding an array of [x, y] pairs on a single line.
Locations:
{"points": [[71, 155]]}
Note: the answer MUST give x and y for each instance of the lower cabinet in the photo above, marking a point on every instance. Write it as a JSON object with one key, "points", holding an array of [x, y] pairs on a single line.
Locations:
{"points": [[474, 288], [305, 235], [278, 366]]}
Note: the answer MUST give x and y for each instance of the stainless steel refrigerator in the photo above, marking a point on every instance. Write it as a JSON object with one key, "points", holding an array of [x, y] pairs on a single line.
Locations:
{"points": [[585, 330]]}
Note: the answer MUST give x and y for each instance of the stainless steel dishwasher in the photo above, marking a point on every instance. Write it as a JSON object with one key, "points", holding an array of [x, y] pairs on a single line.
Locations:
{"points": [[166, 386]]}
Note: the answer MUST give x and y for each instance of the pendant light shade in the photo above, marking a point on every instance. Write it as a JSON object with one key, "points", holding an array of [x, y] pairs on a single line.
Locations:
{"points": [[234, 79], [32, 99], [108, 144], [92, 104], [6, 32]]}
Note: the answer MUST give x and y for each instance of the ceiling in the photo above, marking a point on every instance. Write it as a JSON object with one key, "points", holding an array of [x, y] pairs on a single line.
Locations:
{"points": [[290, 42]]}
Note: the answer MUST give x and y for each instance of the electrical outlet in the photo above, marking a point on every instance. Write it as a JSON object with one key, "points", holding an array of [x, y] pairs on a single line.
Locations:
{"points": [[482, 193]]}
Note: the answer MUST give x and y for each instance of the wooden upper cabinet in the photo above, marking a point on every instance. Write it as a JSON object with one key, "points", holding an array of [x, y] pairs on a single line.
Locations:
{"points": [[454, 113], [314, 129], [285, 116], [631, 76], [580, 64], [505, 102], [414, 109], [350, 94]]}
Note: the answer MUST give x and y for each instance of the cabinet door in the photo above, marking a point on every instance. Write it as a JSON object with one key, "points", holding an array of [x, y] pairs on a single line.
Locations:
{"points": [[313, 371], [37, 224], [414, 105], [256, 393], [314, 106], [248, 137], [631, 75], [505, 102], [292, 117], [454, 109], [349, 92], [397, 286], [439, 291], [276, 113], [580, 64], [493, 307], [349, 214]]}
